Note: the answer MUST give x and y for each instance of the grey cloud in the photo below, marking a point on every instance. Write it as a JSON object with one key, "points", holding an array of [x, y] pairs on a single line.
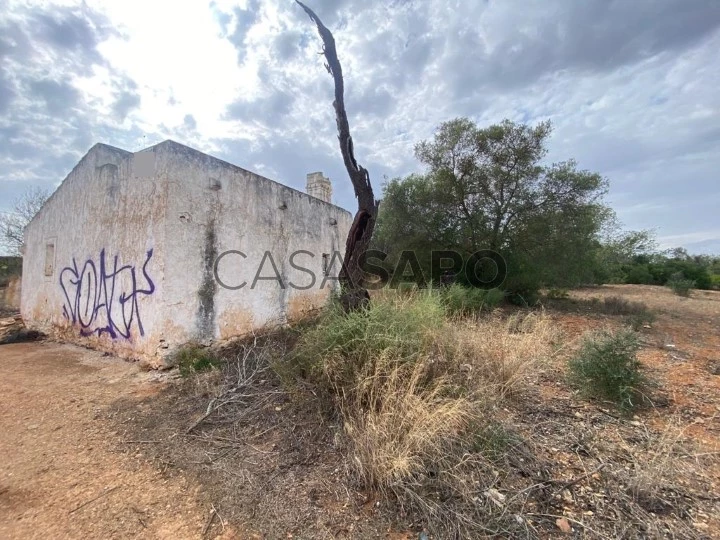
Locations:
{"points": [[189, 121], [376, 101], [594, 35], [72, 33], [67, 31], [44, 138], [286, 46], [224, 19], [59, 97], [707, 247], [410, 65], [126, 98], [331, 12], [7, 92], [124, 103], [268, 110], [244, 20]]}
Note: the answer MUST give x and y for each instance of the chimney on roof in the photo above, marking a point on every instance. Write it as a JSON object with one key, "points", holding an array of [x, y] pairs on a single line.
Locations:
{"points": [[319, 186]]}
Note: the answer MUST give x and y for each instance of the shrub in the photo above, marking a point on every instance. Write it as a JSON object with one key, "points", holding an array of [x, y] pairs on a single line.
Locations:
{"points": [[335, 351], [195, 359], [715, 281], [493, 298], [607, 367], [640, 275], [557, 294], [689, 270], [523, 281], [461, 300], [413, 392], [617, 305], [524, 292], [636, 321], [680, 285]]}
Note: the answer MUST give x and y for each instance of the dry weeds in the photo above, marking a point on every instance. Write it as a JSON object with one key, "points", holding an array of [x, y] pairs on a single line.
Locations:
{"points": [[480, 435]]}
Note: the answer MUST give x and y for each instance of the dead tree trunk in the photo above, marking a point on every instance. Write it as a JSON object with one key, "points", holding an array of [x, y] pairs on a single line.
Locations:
{"points": [[354, 295]]}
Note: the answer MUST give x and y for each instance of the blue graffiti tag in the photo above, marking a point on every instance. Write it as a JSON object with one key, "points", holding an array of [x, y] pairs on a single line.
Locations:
{"points": [[102, 299]]}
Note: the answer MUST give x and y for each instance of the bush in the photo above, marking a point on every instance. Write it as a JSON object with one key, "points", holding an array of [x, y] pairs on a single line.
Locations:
{"points": [[688, 270], [336, 350], [639, 275], [557, 294], [715, 281], [493, 298], [617, 305], [523, 293], [461, 300], [607, 367], [413, 391], [680, 285], [639, 320], [195, 359]]}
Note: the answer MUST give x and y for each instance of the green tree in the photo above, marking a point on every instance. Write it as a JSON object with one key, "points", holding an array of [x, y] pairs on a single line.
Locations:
{"points": [[488, 188]]}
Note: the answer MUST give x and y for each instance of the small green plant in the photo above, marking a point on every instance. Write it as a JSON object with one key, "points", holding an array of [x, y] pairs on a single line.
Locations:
{"points": [[493, 440], [557, 294], [493, 298], [607, 367], [680, 285], [195, 359], [340, 345], [461, 300]]}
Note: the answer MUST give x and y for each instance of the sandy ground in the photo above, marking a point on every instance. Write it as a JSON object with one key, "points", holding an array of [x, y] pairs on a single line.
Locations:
{"points": [[61, 473]]}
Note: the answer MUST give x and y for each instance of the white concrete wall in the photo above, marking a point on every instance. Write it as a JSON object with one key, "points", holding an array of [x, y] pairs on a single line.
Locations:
{"points": [[188, 208], [214, 207], [110, 206]]}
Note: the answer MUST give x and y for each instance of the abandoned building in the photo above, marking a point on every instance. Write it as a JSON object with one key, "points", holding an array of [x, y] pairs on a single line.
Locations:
{"points": [[140, 253]]}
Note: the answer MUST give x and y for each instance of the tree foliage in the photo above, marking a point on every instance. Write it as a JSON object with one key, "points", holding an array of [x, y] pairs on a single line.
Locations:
{"points": [[673, 265], [489, 188], [13, 223]]}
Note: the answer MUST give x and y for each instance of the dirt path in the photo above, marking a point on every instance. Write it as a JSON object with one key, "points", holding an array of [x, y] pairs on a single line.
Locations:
{"points": [[61, 473]]}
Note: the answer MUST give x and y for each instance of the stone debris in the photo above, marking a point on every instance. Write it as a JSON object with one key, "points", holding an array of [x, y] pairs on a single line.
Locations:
{"points": [[12, 330]]}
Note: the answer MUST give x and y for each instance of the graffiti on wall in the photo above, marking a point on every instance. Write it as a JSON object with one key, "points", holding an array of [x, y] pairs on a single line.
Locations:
{"points": [[102, 297]]}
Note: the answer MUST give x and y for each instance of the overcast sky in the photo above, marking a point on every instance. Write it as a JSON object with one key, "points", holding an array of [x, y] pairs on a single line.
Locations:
{"points": [[631, 86]]}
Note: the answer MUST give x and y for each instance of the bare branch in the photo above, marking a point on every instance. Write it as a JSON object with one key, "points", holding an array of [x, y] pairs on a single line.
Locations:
{"points": [[13, 223], [361, 231]]}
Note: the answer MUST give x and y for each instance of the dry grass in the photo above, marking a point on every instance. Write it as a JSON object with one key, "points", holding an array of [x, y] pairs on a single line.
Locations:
{"points": [[465, 427], [661, 299], [398, 422], [657, 468], [415, 392], [504, 351]]}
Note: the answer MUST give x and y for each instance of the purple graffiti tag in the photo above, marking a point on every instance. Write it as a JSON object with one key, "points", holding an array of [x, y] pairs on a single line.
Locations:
{"points": [[102, 299]]}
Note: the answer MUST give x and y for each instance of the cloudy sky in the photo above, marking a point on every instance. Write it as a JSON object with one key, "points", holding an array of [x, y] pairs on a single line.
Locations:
{"points": [[631, 87]]}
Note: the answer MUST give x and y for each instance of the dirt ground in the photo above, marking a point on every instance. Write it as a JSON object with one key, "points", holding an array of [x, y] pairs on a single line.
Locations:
{"points": [[92, 447], [63, 470]]}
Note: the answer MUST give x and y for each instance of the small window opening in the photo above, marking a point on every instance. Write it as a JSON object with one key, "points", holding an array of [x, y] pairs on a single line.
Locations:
{"points": [[49, 259]]}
